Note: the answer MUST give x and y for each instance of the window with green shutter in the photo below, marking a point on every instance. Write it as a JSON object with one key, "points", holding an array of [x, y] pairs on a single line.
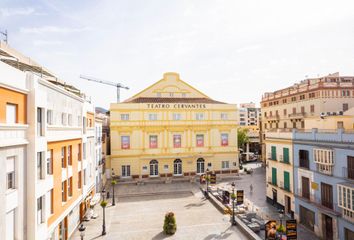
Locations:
{"points": [[287, 181], [286, 155], [274, 153], [274, 176]]}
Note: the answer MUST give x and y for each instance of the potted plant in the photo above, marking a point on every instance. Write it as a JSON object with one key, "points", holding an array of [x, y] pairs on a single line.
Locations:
{"points": [[170, 226]]}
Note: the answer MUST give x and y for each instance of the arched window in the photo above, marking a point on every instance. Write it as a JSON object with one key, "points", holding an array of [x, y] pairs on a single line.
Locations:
{"points": [[200, 165], [177, 167], [154, 168]]}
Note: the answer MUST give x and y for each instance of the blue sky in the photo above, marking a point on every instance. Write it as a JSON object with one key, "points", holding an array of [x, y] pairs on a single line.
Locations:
{"points": [[233, 51]]}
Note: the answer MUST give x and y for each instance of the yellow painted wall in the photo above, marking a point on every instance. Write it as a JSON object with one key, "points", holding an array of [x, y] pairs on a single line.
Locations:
{"points": [[139, 128], [16, 98]]}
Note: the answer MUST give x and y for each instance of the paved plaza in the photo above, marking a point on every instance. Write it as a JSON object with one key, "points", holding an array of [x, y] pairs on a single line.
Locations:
{"points": [[141, 216], [140, 210]]}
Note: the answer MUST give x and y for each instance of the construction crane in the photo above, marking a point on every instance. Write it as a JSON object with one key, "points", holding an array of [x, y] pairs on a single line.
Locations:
{"points": [[117, 85]]}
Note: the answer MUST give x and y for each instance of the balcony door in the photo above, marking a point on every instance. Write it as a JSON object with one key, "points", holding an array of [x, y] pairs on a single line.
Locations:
{"points": [[350, 164], [305, 185], [327, 195]]}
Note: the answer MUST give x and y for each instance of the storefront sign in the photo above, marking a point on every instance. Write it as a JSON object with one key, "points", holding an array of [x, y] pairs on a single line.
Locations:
{"points": [[271, 230], [291, 229], [176, 105], [314, 185], [239, 197]]}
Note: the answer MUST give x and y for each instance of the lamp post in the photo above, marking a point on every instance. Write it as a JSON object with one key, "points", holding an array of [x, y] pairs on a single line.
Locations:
{"points": [[103, 205], [207, 183], [233, 198], [103, 194], [114, 182], [82, 231], [281, 215]]}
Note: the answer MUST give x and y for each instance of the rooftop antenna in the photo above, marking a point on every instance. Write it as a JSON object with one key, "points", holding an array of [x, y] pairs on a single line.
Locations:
{"points": [[117, 85], [5, 34]]}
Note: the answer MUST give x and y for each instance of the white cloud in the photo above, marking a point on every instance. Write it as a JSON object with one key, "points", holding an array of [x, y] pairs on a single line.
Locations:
{"points": [[52, 29], [8, 12]]}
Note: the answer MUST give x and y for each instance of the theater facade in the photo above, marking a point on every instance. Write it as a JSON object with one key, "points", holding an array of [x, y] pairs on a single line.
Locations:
{"points": [[171, 129]]}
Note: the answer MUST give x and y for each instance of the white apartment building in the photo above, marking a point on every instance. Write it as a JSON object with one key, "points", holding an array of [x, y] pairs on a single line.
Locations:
{"points": [[51, 161], [13, 152]]}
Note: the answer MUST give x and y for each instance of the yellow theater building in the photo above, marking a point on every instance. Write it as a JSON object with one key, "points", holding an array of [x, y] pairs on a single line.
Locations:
{"points": [[171, 129]]}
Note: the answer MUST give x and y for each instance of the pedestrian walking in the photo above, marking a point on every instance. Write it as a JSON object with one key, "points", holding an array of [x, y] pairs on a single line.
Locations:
{"points": [[251, 188]]}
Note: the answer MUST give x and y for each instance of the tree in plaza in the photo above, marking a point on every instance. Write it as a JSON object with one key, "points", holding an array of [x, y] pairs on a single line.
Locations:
{"points": [[242, 137], [170, 226]]}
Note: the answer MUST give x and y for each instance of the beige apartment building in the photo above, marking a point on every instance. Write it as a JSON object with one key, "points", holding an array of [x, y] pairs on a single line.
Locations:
{"points": [[287, 109]]}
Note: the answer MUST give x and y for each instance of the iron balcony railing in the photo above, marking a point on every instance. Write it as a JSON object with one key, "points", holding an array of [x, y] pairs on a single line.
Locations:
{"points": [[348, 173]]}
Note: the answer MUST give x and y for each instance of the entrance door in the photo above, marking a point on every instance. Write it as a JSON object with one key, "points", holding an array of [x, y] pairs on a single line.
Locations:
{"points": [[328, 227], [275, 198], [200, 165], [305, 184], [177, 167], [154, 168], [287, 204]]}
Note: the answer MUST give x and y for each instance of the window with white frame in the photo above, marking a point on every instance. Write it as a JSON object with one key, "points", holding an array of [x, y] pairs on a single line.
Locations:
{"points": [[40, 117], [346, 201], [40, 210], [63, 157], [11, 113], [70, 119], [152, 116], [50, 162], [225, 164], [199, 116], [324, 160], [79, 123], [125, 170], [63, 191], [223, 116], [40, 166], [51, 200], [63, 119], [124, 117], [49, 117], [177, 116], [10, 173]]}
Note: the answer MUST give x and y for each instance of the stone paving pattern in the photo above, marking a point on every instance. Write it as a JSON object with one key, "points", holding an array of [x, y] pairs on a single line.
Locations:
{"points": [[141, 217], [140, 210]]}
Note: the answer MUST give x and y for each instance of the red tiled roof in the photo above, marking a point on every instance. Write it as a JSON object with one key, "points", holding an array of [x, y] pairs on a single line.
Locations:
{"points": [[172, 100]]}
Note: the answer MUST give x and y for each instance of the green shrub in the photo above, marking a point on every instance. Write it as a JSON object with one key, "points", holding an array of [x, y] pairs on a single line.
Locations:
{"points": [[170, 226], [113, 182], [281, 229]]}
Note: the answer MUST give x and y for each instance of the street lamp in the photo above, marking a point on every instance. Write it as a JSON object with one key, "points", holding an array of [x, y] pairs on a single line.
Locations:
{"points": [[114, 182], [82, 231], [233, 198], [103, 205], [103, 194], [281, 216], [207, 183]]}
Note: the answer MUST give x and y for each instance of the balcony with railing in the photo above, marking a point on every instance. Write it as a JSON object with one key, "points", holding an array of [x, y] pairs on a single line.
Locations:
{"points": [[272, 181], [285, 187], [272, 117], [281, 160], [297, 115], [324, 204], [348, 173]]}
